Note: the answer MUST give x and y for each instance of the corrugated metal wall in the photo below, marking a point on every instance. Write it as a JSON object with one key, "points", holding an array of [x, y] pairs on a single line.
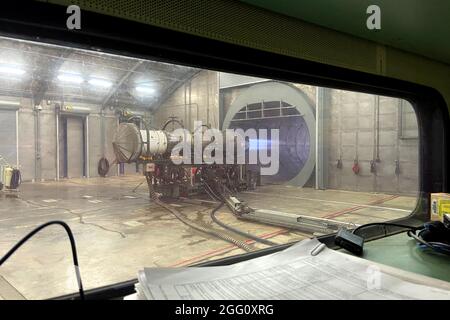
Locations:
{"points": [[369, 129], [44, 166], [8, 147], [75, 147], [353, 133], [366, 128]]}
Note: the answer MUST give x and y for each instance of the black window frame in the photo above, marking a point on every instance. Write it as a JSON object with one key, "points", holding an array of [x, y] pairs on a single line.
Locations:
{"points": [[43, 22]]}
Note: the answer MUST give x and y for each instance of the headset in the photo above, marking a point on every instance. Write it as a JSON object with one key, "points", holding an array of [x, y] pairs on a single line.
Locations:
{"points": [[433, 235]]}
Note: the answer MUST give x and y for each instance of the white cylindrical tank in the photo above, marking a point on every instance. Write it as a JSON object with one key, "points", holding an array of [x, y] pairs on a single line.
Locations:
{"points": [[158, 142], [130, 143]]}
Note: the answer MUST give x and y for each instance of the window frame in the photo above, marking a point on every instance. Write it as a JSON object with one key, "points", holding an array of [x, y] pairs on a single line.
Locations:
{"points": [[43, 22]]}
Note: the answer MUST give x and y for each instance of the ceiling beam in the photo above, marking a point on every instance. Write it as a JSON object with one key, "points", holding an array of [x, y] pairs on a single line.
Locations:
{"points": [[40, 87], [172, 88], [119, 84]]}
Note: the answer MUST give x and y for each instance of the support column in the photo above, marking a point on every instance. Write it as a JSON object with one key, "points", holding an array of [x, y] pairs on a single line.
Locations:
{"points": [[57, 108], [321, 147], [37, 143], [86, 146]]}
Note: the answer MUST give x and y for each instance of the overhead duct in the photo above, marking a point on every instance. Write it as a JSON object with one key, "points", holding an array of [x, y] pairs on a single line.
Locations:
{"points": [[275, 105], [130, 143]]}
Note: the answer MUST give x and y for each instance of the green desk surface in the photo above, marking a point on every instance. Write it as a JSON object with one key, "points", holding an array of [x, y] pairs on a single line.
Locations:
{"points": [[401, 251]]}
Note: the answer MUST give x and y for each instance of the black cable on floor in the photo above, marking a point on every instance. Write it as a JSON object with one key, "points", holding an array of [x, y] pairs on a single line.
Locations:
{"points": [[221, 198], [239, 232], [72, 244], [202, 228]]}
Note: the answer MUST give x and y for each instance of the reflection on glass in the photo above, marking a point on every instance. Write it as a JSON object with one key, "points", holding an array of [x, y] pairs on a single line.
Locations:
{"points": [[91, 132]]}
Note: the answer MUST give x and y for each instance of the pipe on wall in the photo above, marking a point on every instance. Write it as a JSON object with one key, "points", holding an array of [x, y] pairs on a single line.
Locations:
{"points": [[17, 138], [57, 107], [102, 133], [86, 146], [37, 143], [377, 106], [190, 106], [321, 163], [207, 99], [185, 104], [373, 165], [117, 127]]}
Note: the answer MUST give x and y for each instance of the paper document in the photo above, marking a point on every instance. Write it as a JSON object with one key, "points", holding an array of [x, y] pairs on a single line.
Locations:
{"points": [[290, 274]]}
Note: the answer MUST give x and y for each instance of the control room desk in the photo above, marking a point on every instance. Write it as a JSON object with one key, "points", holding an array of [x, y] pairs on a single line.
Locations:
{"points": [[400, 251]]}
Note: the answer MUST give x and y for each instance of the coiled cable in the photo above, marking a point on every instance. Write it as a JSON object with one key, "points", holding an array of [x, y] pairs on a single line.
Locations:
{"points": [[221, 199], [202, 228], [239, 232], [103, 167]]}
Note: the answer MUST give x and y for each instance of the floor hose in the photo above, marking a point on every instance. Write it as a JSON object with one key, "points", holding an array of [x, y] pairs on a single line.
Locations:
{"points": [[205, 229], [237, 231], [221, 199]]}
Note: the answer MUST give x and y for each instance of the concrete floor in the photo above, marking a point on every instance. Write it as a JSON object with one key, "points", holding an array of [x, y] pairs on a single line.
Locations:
{"points": [[119, 232]]}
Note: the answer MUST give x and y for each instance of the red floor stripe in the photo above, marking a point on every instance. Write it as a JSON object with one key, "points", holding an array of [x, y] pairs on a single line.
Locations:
{"points": [[281, 231], [352, 209], [217, 251]]}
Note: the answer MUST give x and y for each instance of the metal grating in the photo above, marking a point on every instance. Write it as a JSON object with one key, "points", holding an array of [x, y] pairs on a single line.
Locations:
{"points": [[250, 26], [265, 30]]}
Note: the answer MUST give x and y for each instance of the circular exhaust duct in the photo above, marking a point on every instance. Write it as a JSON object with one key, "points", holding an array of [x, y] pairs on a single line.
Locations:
{"points": [[129, 143], [275, 105]]}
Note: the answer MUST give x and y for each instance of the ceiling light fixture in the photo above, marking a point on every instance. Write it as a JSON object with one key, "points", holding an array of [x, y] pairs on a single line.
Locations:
{"points": [[73, 78], [9, 103], [75, 108], [100, 82], [11, 70], [145, 90]]}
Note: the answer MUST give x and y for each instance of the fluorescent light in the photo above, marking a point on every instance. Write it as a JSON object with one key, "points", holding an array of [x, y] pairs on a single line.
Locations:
{"points": [[145, 90], [100, 82], [12, 70], [67, 77], [76, 108], [9, 103]]}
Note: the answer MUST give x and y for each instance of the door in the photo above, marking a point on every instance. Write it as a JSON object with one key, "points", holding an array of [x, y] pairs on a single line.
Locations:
{"points": [[72, 147]]}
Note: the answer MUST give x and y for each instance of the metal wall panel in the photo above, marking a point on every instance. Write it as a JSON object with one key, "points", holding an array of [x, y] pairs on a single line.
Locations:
{"points": [[95, 144], [48, 145], [111, 126], [8, 137], [75, 147], [27, 152]]}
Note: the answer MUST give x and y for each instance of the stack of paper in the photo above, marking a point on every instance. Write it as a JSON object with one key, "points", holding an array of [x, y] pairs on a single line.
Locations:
{"points": [[290, 274]]}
